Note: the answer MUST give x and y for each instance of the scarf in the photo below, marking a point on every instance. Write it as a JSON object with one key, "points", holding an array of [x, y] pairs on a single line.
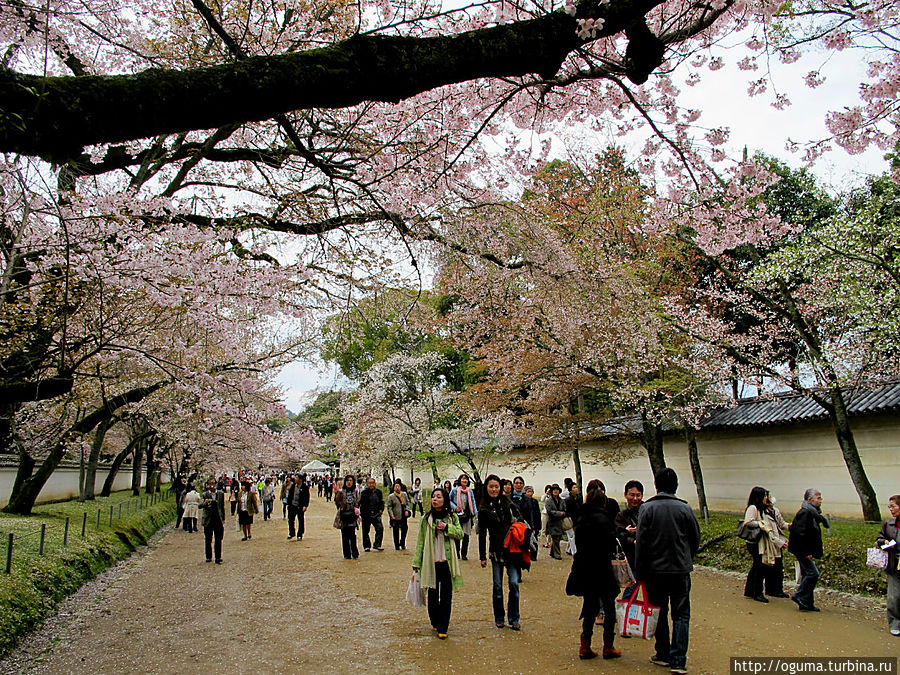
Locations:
{"points": [[427, 575], [467, 495]]}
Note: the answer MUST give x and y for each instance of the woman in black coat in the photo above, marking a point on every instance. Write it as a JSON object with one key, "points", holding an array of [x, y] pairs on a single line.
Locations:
{"points": [[592, 571], [496, 513]]}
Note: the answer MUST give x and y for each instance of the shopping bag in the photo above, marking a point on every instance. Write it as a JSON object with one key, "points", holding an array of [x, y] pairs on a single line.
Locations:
{"points": [[636, 618], [877, 558], [414, 593], [621, 568]]}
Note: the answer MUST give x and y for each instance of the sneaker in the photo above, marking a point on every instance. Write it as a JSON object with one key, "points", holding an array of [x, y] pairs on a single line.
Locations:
{"points": [[367, 550], [289, 538], [895, 632], [218, 562], [657, 661], [682, 670], [515, 625], [379, 548], [442, 636], [500, 623]]}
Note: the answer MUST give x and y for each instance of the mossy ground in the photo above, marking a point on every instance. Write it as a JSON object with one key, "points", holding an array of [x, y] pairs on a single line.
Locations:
{"points": [[37, 583]]}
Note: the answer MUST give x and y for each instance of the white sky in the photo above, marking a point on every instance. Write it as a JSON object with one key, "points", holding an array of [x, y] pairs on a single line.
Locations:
{"points": [[722, 96]]}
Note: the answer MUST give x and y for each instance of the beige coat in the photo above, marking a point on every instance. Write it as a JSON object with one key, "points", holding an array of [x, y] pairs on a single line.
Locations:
{"points": [[191, 504], [772, 540]]}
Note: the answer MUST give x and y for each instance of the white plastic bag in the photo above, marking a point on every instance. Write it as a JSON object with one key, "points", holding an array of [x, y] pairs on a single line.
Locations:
{"points": [[414, 593], [636, 618]]}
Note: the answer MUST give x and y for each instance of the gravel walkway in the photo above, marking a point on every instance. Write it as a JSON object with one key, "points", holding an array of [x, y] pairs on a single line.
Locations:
{"points": [[280, 606]]}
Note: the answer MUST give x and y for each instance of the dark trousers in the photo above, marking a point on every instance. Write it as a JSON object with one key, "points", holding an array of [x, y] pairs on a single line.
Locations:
{"points": [[179, 515], [297, 512], [753, 588], [775, 578], [440, 598], [809, 577], [233, 507], [190, 524], [462, 547], [216, 530], [420, 507], [348, 542], [672, 594], [590, 608], [379, 531], [400, 528], [514, 575], [268, 505]]}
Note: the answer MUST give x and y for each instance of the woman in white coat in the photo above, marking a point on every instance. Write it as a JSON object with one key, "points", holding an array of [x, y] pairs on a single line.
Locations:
{"points": [[191, 509]]}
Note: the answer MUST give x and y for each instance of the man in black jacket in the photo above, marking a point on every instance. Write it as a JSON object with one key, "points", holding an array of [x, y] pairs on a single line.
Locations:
{"points": [[371, 506], [668, 536], [213, 519], [297, 503], [806, 543]]}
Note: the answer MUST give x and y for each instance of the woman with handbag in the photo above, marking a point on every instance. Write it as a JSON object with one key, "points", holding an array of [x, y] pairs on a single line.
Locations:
{"points": [[248, 506], [462, 501], [496, 513], [347, 502], [889, 532], [415, 498], [398, 514], [766, 546], [556, 512], [592, 571], [434, 559]]}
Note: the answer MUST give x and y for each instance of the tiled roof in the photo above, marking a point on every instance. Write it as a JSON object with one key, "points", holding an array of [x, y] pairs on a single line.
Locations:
{"points": [[792, 407]]}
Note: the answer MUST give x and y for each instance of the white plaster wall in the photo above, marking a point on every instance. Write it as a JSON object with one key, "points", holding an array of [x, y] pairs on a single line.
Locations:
{"points": [[785, 460], [63, 483]]}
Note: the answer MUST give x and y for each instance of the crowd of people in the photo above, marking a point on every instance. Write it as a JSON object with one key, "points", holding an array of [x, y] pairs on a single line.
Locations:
{"points": [[658, 537]]}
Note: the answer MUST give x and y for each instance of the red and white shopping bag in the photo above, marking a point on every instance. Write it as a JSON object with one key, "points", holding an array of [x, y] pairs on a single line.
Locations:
{"points": [[636, 617]]}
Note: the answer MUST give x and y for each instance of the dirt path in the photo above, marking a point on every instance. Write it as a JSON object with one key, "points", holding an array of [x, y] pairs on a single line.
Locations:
{"points": [[280, 606]]}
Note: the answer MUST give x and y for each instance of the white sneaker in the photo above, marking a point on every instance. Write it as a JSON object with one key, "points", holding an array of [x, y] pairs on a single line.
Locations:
{"points": [[895, 631]]}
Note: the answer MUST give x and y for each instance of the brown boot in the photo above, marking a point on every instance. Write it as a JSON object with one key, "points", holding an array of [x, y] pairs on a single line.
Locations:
{"points": [[610, 652], [585, 651]]}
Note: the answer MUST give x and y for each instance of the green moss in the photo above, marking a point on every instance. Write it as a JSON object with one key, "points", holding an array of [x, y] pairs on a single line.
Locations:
{"points": [[37, 584]]}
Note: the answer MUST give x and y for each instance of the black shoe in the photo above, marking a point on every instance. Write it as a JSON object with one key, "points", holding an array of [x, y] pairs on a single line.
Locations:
{"points": [[809, 608], [379, 548], [782, 594], [760, 598], [218, 562], [209, 560]]}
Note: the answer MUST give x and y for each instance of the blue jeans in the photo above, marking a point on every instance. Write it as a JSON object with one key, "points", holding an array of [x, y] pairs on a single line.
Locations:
{"points": [[515, 576], [809, 577], [672, 594]]}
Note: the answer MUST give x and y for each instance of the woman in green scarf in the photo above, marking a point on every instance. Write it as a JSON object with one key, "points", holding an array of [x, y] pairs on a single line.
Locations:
{"points": [[435, 559]]}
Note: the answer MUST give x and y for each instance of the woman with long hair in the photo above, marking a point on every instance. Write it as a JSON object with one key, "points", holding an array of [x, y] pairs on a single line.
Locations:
{"points": [[496, 513], [592, 571], [556, 510], [415, 497], [347, 502], [462, 501], [436, 560], [398, 514], [754, 518]]}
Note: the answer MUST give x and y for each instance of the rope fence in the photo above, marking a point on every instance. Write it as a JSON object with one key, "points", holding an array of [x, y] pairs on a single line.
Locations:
{"points": [[22, 542]]}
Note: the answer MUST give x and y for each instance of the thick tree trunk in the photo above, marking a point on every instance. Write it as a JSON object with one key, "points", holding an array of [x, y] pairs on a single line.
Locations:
{"points": [[841, 422], [152, 467], [114, 470], [652, 440], [24, 492], [690, 435], [137, 466], [90, 474]]}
